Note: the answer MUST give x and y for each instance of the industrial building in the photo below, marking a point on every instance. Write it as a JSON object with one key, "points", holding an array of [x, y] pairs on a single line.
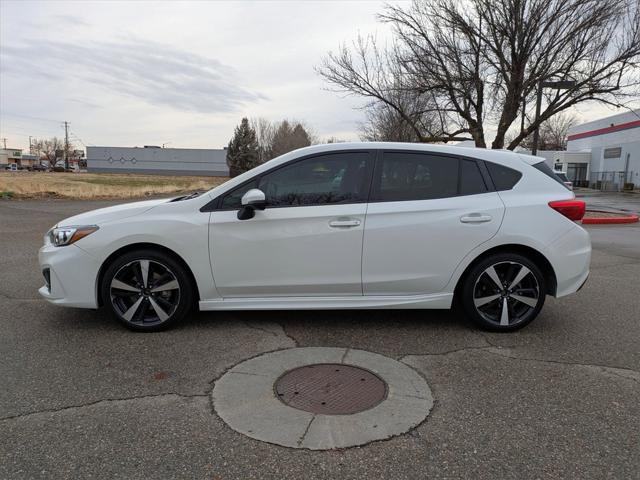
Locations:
{"points": [[614, 146], [157, 161], [602, 154]]}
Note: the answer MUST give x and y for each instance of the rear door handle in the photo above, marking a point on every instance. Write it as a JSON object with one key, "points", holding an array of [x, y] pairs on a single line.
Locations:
{"points": [[344, 223], [476, 218]]}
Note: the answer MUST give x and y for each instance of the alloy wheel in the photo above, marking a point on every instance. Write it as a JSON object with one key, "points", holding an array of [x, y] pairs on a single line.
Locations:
{"points": [[506, 293], [145, 292]]}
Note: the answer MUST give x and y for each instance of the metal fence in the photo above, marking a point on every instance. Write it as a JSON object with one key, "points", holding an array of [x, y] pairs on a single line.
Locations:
{"points": [[611, 181]]}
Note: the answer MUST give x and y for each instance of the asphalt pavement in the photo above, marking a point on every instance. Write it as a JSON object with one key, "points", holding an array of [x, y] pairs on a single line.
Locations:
{"points": [[81, 397]]}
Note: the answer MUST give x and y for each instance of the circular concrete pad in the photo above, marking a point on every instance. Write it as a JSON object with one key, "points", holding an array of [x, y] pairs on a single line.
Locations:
{"points": [[245, 398]]}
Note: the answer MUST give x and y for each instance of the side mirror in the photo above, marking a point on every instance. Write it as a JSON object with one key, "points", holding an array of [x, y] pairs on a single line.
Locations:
{"points": [[251, 201]]}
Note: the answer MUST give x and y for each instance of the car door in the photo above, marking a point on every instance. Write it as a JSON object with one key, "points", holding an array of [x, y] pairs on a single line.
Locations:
{"points": [[308, 239], [427, 211]]}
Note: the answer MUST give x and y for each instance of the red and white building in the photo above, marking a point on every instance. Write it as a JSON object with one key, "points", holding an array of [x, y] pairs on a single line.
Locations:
{"points": [[613, 148]]}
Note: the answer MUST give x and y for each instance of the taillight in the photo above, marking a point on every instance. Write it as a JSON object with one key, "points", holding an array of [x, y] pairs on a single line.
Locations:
{"points": [[572, 209]]}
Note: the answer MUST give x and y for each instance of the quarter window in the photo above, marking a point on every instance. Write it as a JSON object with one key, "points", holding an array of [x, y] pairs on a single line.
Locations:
{"points": [[504, 178], [416, 176], [323, 180], [471, 181]]}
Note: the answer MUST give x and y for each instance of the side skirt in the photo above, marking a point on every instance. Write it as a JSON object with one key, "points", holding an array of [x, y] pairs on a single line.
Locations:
{"points": [[434, 301]]}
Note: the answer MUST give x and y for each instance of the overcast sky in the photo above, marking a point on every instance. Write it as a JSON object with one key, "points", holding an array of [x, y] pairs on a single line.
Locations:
{"points": [[178, 73]]}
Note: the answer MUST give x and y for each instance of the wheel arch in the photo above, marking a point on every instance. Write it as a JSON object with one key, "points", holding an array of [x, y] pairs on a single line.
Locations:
{"points": [[143, 246], [531, 253]]}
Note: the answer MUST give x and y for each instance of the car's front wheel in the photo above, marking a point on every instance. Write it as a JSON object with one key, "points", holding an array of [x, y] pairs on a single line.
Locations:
{"points": [[147, 290], [503, 292]]}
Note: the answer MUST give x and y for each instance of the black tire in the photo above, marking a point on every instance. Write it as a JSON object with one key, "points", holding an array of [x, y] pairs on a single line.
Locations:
{"points": [[166, 298], [483, 301]]}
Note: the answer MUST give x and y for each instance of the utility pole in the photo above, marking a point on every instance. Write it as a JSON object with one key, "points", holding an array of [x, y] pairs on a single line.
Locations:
{"points": [[30, 148], [560, 85], [66, 146], [4, 140]]}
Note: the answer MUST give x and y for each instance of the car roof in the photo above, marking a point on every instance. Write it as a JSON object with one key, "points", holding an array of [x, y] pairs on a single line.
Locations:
{"points": [[481, 153]]}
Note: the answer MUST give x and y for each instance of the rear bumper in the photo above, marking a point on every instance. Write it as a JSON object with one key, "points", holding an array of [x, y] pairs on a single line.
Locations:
{"points": [[570, 256], [72, 274]]}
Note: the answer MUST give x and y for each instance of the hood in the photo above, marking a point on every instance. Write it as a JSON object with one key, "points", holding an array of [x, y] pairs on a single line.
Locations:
{"points": [[117, 212]]}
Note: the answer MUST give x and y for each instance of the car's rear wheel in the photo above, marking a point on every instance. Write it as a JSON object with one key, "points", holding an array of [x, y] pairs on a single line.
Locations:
{"points": [[503, 292], [147, 290]]}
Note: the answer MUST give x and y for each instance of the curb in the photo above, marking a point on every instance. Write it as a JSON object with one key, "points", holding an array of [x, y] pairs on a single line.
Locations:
{"points": [[610, 220]]}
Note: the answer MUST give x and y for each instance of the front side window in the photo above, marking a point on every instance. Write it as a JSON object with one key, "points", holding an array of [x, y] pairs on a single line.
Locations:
{"points": [[417, 176], [233, 199], [323, 180]]}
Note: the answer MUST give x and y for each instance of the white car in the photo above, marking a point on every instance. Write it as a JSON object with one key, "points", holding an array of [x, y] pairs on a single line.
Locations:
{"points": [[339, 226]]}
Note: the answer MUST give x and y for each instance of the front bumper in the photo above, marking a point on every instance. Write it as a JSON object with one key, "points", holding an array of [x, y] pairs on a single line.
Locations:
{"points": [[72, 276]]}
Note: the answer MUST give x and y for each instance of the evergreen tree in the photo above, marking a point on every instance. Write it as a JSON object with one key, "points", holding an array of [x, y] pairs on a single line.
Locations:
{"points": [[242, 152]]}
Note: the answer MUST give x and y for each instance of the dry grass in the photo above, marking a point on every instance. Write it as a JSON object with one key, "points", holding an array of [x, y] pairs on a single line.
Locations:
{"points": [[102, 185]]}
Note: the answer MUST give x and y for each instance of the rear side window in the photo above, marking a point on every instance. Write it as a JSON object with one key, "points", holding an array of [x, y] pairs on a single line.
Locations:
{"points": [[504, 178], [546, 169], [416, 176], [471, 181]]}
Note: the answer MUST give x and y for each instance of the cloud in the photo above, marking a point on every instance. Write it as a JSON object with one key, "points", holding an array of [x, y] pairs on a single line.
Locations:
{"points": [[153, 72]]}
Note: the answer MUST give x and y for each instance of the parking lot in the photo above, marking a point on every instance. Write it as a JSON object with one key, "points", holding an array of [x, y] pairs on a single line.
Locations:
{"points": [[82, 397]]}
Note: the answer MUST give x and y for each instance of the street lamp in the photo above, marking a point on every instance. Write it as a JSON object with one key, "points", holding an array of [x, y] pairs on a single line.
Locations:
{"points": [[559, 85]]}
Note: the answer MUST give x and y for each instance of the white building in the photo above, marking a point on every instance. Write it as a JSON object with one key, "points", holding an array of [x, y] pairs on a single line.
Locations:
{"points": [[613, 145], [9, 156], [158, 161], [574, 164]]}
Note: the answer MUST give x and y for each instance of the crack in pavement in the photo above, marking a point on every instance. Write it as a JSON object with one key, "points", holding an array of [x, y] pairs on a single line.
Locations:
{"points": [[625, 373], [261, 329], [287, 334], [306, 430], [344, 355], [102, 400]]}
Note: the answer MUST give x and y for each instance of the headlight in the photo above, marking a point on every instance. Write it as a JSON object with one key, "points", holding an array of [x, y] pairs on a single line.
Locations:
{"points": [[61, 236]]}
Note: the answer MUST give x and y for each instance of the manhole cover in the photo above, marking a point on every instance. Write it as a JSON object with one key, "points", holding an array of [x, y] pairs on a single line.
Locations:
{"points": [[331, 389]]}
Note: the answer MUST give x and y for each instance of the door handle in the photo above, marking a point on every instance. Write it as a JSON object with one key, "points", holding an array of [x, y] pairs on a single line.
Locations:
{"points": [[344, 223], [476, 218]]}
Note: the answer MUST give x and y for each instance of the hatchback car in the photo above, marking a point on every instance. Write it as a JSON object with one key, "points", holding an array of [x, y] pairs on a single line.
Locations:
{"points": [[340, 226]]}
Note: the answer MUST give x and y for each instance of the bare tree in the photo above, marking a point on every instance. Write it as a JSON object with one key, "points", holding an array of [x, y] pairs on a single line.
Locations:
{"points": [[49, 148], [264, 135], [278, 138], [288, 137], [553, 133], [384, 124], [479, 62]]}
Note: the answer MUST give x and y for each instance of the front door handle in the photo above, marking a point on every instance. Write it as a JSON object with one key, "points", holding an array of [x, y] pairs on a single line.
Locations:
{"points": [[476, 218], [344, 223]]}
